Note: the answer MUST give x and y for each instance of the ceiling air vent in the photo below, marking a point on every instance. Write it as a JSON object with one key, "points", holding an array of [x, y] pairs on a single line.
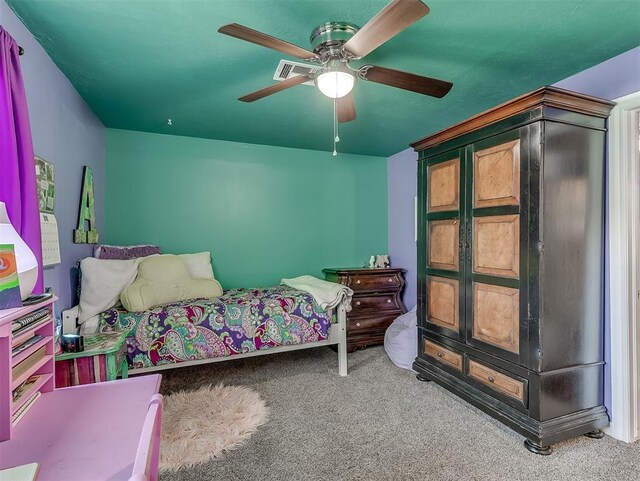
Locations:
{"points": [[287, 69]]}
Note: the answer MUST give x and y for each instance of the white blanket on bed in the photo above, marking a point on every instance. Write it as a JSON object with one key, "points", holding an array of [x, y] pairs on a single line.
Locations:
{"points": [[327, 294]]}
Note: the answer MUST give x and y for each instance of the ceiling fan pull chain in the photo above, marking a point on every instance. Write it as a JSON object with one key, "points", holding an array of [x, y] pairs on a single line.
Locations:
{"points": [[335, 129], [336, 137]]}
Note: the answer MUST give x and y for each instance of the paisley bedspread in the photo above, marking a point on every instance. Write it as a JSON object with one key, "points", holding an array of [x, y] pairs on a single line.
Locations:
{"points": [[239, 321]]}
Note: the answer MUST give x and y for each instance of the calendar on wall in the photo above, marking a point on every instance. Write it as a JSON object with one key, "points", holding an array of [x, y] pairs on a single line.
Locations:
{"points": [[50, 242]]}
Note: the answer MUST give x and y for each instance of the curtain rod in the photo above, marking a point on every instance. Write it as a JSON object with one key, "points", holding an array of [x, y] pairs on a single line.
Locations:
{"points": [[20, 50]]}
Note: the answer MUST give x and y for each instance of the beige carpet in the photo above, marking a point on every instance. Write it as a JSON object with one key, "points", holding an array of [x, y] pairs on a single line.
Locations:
{"points": [[379, 424], [200, 425]]}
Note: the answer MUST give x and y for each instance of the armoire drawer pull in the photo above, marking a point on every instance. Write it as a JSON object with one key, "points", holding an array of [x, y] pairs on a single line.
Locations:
{"points": [[440, 354], [491, 379]]}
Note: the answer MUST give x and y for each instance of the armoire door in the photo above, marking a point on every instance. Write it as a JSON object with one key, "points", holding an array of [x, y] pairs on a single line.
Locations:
{"points": [[442, 279], [496, 245]]}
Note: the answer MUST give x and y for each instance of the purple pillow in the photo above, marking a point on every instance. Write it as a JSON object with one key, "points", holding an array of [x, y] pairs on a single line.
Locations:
{"points": [[124, 252]]}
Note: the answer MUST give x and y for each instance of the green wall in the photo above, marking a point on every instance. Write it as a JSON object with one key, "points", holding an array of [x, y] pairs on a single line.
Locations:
{"points": [[263, 212]]}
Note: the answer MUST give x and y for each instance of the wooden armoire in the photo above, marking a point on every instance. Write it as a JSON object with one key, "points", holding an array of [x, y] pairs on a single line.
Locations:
{"points": [[510, 263]]}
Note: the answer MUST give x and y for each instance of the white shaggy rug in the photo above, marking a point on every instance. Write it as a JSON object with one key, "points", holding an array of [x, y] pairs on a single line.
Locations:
{"points": [[201, 425]]}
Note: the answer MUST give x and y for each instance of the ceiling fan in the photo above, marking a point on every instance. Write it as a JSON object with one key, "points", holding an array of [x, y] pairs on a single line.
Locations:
{"points": [[335, 45]]}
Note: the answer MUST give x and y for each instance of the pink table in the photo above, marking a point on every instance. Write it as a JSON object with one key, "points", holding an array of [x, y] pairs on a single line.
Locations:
{"points": [[84, 433]]}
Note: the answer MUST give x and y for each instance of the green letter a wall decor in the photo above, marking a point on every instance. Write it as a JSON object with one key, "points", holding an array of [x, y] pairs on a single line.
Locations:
{"points": [[87, 212]]}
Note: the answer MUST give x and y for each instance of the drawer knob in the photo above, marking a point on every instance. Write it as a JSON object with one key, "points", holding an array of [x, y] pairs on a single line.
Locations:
{"points": [[390, 279], [388, 301], [440, 354], [490, 378], [357, 324], [357, 303], [358, 281]]}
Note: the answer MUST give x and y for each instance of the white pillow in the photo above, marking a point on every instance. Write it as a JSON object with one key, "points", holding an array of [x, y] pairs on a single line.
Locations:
{"points": [[102, 282], [199, 265]]}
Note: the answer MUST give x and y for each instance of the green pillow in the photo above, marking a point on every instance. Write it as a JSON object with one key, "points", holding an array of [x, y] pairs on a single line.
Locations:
{"points": [[164, 279]]}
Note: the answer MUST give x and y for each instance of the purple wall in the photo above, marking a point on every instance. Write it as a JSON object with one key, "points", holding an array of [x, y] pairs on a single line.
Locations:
{"points": [[402, 170], [67, 133], [614, 78], [611, 79]]}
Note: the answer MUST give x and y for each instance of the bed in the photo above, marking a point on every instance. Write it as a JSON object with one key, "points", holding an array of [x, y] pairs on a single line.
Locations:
{"points": [[240, 323]]}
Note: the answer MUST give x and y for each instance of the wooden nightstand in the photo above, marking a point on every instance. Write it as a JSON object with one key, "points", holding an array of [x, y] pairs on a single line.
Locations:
{"points": [[376, 302]]}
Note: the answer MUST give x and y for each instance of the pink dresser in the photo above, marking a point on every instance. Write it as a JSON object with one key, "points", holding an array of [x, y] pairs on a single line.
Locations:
{"points": [[106, 431]]}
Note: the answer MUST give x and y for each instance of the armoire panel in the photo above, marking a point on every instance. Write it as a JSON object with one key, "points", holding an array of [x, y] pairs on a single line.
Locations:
{"points": [[572, 228], [496, 175], [496, 245], [444, 186], [443, 297], [444, 239], [496, 316]]}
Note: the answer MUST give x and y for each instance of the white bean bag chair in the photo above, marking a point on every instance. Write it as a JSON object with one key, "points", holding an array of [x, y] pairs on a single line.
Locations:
{"points": [[401, 340]]}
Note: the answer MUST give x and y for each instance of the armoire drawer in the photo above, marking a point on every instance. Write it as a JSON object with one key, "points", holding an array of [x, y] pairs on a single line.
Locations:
{"points": [[509, 386], [443, 355]]}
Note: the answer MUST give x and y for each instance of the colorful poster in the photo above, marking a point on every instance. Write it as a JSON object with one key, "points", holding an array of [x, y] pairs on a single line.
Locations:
{"points": [[9, 286]]}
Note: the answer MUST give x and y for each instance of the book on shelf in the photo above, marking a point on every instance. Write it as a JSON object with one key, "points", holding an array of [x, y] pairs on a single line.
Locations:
{"points": [[22, 389], [23, 366], [17, 341], [26, 344], [29, 318], [25, 407], [32, 325]]}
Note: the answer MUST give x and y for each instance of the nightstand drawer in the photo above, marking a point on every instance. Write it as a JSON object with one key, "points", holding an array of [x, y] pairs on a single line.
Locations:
{"points": [[374, 281], [378, 323], [384, 302]]}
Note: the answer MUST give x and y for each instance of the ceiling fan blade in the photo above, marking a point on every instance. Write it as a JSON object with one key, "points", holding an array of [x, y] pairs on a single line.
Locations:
{"points": [[404, 80], [272, 89], [390, 21], [259, 38], [346, 108]]}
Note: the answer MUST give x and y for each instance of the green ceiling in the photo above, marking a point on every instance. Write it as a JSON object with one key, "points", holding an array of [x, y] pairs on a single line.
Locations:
{"points": [[139, 62]]}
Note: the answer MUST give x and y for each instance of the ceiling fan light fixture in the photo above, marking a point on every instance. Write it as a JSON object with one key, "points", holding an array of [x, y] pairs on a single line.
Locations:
{"points": [[336, 80]]}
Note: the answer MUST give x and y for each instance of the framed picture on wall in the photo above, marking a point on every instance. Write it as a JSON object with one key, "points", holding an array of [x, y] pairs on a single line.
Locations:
{"points": [[46, 185]]}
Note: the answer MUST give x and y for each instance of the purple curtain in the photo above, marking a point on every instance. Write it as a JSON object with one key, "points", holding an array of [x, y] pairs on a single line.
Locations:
{"points": [[17, 165]]}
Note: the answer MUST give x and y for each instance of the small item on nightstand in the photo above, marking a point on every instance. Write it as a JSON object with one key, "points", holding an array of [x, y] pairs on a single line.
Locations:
{"points": [[72, 343], [382, 261], [372, 262]]}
